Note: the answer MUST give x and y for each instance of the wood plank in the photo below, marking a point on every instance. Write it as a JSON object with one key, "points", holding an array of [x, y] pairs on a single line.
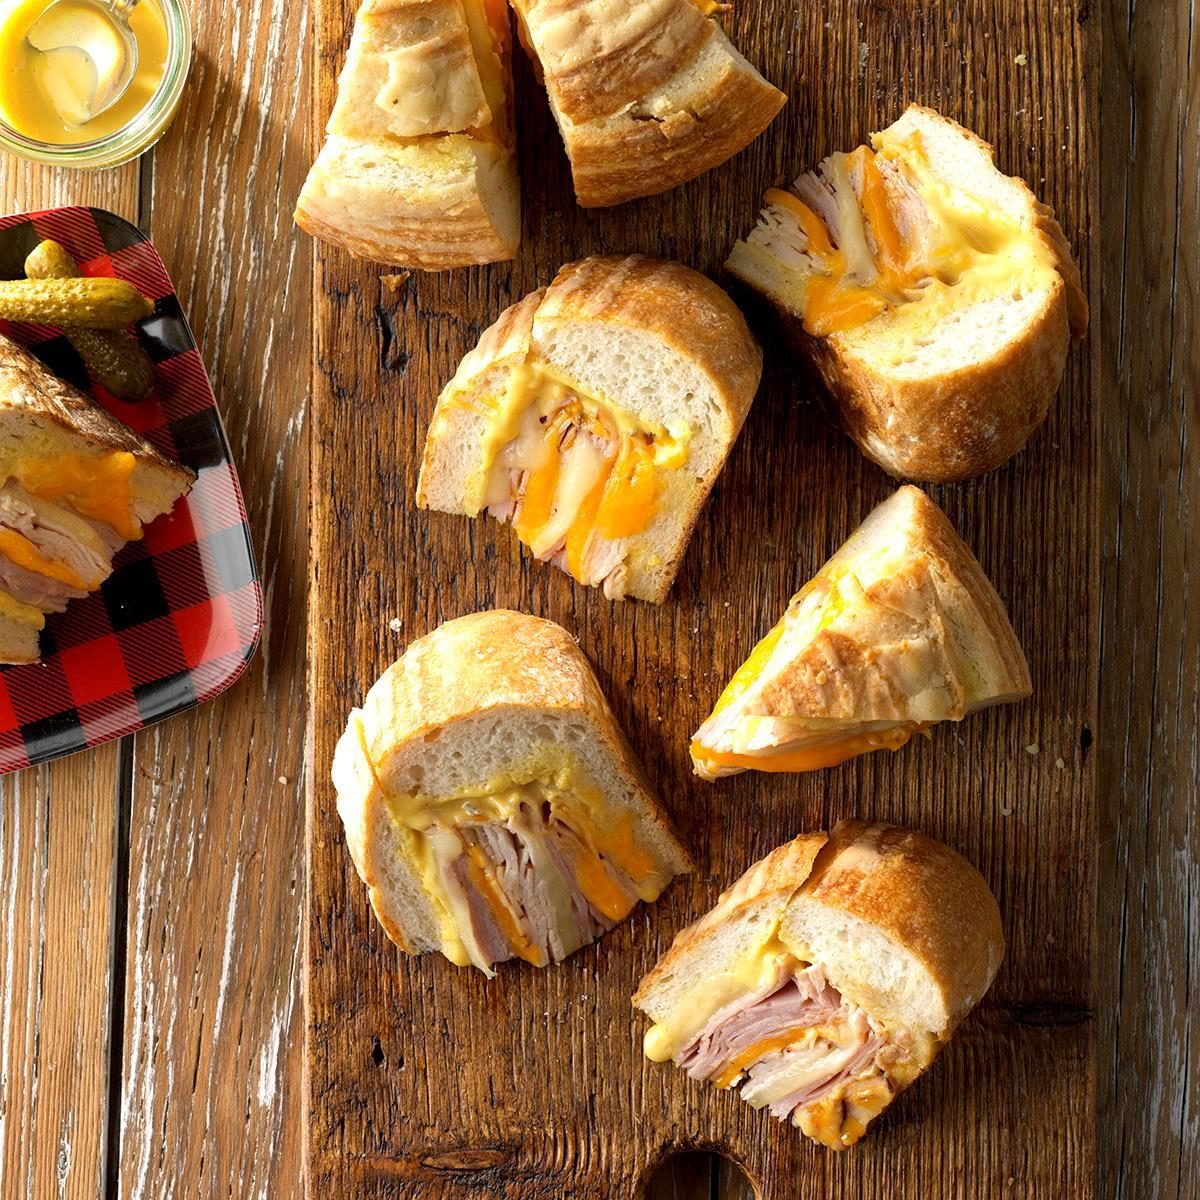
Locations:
{"points": [[58, 839], [411, 1062], [1148, 768], [211, 1046]]}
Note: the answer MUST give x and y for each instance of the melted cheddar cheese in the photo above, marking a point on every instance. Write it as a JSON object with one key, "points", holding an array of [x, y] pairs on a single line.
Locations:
{"points": [[95, 486], [970, 246], [17, 548], [807, 758], [549, 783], [582, 467]]}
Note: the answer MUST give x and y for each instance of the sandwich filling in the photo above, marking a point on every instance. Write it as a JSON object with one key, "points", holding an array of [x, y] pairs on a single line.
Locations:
{"points": [[779, 1030], [876, 231], [61, 521], [528, 866], [577, 476], [750, 730]]}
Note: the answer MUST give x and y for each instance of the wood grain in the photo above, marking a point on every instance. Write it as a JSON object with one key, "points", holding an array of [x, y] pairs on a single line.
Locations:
{"points": [[424, 1080], [212, 981], [58, 853], [1150, 710]]}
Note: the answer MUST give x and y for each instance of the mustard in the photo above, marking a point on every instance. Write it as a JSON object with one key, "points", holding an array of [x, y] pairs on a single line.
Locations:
{"points": [[45, 94]]}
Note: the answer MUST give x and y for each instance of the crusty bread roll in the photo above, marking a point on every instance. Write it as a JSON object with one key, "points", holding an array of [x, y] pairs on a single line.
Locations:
{"points": [[647, 93], [900, 629], [75, 486], [596, 415], [491, 804], [828, 977], [935, 295], [418, 168]]}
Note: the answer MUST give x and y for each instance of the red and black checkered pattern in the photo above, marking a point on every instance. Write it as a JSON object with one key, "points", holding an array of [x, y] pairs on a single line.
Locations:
{"points": [[179, 618]]}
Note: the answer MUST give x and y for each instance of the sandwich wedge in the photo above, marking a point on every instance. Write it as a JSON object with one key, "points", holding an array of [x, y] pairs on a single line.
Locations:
{"points": [[75, 486], [595, 416], [491, 804], [899, 630], [935, 295], [826, 980], [418, 168], [647, 93]]}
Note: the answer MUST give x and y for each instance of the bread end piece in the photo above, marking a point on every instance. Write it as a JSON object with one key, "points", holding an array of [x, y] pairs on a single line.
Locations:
{"points": [[702, 116], [904, 926]]}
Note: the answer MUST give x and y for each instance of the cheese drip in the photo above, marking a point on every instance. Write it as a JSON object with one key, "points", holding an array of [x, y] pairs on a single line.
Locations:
{"points": [[606, 864], [577, 469], [95, 486], [867, 266], [809, 1047]]}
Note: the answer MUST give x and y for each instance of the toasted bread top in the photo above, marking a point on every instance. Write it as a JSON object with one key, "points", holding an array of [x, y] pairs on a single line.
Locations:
{"points": [[903, 926], [27, 386], [664, 300]]}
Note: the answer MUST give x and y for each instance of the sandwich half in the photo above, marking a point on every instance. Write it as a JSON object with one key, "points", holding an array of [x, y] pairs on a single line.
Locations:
{"points": [[595, 415], [935, 295], [647, 93], [900, 629], [826, 980], [418, 168], [75, 486], [491, 804]]}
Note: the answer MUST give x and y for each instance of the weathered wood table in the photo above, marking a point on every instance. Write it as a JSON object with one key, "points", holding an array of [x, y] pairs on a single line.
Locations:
{"points": [[151, 890]]}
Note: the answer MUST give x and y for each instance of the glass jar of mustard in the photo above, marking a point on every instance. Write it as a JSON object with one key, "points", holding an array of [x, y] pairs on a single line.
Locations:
{"points": [[44, 91]]}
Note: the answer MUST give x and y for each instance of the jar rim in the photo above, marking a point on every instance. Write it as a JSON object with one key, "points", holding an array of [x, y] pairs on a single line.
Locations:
{"points": [[142, 130]]}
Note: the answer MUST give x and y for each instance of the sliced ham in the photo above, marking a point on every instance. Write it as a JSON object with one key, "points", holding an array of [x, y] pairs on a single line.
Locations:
{"points": [[530, 863], [60, 536], [585, 457], [794, 1002], [842, 1046]]}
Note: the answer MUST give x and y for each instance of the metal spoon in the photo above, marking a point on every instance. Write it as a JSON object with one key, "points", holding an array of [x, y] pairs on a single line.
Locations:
{"points": [[98, 30]]}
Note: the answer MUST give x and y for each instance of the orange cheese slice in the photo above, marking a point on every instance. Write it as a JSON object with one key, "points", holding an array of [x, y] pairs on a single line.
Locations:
{"points": [[813, 758], [96, 487], [509, 926], [17, 548], [812, 225], [752, 1054], [597, 884]]}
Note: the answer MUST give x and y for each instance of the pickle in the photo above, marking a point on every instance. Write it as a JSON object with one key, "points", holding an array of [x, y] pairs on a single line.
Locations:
{"points": [[94, 303], [113, 357]]}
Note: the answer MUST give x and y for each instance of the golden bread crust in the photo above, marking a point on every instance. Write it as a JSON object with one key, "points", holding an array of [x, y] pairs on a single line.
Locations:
{"points": [[417, 170], [597, 58], [925, 610], [613, 163], [431, 230], [647, 94], [952, 426], [915, 892], [683, 308], [923, 896], [774, 878]]}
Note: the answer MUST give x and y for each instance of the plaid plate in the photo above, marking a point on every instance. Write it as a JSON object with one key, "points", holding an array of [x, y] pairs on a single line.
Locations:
{"points": [[179, 618]]}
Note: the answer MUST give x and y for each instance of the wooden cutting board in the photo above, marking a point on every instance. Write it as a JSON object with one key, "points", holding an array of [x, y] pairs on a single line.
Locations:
{"points": [[424, 1080]]}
